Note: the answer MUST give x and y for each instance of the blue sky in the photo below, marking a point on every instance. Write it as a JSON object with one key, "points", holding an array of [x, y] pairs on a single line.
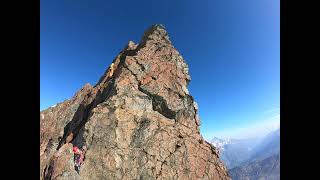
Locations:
{"points": [[232, 48]]}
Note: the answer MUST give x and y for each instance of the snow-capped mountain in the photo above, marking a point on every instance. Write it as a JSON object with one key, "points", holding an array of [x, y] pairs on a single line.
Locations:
{"points": [[234, 151], [220, 143]]}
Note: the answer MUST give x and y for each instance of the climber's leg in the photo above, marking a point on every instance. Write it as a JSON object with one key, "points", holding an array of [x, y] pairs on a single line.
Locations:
{"points": [[77, 168]]}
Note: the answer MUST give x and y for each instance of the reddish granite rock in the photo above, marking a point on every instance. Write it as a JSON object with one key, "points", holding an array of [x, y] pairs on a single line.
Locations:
{"points": [[139, 123]]}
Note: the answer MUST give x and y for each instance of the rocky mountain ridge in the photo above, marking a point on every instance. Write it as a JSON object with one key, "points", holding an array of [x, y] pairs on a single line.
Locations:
{"points": [[138, 122]]}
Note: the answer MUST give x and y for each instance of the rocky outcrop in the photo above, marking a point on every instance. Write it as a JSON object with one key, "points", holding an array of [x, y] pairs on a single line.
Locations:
{"points": [[138, 122]]}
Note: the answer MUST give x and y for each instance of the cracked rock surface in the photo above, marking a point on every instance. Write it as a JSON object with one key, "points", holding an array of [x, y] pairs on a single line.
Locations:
{"points": [[140, 123]]}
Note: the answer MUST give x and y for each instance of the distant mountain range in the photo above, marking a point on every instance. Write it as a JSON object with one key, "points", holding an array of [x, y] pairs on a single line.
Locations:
{"points": [[251, 159], [269, 145], [266, 169], [233, 152]]}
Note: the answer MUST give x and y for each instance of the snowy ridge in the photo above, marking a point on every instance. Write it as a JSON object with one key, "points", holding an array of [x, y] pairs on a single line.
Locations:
{"points": [[220, 143]]}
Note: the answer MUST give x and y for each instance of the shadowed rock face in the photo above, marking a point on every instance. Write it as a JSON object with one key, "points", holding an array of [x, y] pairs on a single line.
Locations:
{"points": [[141, 123]]}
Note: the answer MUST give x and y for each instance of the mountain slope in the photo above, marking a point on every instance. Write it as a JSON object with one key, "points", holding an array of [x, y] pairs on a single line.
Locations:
{"points": [[233, 152], [251, 159], [269, 145], [266, 169], [138, 122]]}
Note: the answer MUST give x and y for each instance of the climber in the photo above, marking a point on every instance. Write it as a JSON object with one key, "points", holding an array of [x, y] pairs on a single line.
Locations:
{"points": [[78, 157]]}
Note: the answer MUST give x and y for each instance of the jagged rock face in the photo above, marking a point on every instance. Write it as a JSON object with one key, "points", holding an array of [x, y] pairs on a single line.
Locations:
{"points": [[140, 123]]}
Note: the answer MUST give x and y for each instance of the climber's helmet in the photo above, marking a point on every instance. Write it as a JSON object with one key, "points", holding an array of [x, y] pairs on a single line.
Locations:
{"points": [[75, 149]]}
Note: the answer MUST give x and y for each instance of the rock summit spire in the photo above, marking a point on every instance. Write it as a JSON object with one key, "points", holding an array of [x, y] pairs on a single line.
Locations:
{"points": [[138, 122]]}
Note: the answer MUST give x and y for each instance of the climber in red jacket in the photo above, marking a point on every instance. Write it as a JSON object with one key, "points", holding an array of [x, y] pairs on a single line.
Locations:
{"points": [[78, 157]]}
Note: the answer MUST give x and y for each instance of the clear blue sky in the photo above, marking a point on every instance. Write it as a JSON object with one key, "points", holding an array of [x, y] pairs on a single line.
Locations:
{"points": [[232, 48]]}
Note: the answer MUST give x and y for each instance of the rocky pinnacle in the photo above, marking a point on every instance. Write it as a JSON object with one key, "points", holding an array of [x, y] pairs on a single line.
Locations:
{"points": [[139, 123]]}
